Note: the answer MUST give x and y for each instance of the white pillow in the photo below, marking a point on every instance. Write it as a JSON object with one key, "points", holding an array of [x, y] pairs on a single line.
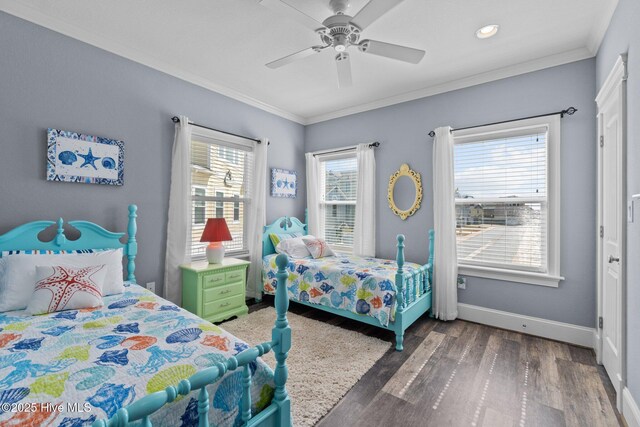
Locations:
{"points": [[317, 247], [20, 274], [61, 287], [294, 248]]}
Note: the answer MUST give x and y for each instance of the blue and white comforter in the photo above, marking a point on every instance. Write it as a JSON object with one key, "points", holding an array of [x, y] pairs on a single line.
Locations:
{"points": [[361, 285], [69, 368]]}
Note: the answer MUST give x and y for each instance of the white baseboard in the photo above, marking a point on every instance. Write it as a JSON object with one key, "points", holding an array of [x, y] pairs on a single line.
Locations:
{"points": [[630, 410], [559, 331]]}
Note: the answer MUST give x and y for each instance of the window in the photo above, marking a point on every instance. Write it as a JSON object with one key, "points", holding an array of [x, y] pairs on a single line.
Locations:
{"points": [[339, 180], [220, 188], [236, 208], [228, 154], [507, 187], [219, 204], [199, 205]]}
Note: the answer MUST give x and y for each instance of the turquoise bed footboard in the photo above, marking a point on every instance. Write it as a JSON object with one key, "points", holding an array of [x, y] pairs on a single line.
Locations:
{"points": [[277, 414]]}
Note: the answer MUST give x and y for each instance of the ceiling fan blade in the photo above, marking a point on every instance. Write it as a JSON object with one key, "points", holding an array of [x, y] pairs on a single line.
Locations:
{"points": [[372, 11], [291, 12], [344, 70], [394, 51], [295, 56]]}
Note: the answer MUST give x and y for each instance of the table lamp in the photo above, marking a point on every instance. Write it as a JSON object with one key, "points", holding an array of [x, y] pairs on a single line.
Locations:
{"points": [[215, 232]]}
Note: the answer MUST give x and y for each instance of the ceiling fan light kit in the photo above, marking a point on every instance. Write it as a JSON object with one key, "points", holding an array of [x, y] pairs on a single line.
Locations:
{"points": [[341, 31]]}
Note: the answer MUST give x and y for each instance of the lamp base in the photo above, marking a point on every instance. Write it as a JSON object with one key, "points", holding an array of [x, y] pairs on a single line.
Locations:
{"points": [[215, 253]]}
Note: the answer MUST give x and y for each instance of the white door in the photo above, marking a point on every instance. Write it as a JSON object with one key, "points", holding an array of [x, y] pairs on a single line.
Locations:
{"points": [[611, 117]]}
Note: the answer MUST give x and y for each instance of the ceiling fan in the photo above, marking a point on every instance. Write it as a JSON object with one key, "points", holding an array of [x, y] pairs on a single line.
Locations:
{"points": [[341, 31]]}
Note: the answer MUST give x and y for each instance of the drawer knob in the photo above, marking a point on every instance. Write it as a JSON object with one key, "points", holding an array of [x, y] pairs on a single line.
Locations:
{"points": [[226, 291], [225, 304]]}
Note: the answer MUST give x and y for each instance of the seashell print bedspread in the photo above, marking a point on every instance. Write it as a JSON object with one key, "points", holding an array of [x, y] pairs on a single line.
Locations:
{"points": [[86, 364], [361, 285]]}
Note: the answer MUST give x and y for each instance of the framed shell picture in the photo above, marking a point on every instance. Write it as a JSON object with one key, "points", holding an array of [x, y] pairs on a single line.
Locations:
{"points": [[284, 183], [76, 157]]}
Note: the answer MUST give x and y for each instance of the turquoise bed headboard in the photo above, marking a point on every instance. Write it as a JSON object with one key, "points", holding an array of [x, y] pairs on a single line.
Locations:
{"points": [[284, 224], [92, 236]]}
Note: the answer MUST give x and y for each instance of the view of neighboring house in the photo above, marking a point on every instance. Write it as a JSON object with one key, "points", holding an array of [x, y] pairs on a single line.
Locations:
{"points": [[217, 178]]}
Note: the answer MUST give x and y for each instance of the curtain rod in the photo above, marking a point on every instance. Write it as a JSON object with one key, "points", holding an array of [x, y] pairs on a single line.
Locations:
{"points": [[176, 119], [569, 112], [372, 145]]}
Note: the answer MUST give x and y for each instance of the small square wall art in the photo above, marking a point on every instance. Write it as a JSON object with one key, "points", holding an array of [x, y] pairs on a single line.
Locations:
{"points": [[284, 183], [75, 157]]}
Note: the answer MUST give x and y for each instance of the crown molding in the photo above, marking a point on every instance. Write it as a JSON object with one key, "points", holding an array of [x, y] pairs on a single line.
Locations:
{"points": [[489, 76], [600, 28], [35, 16]]}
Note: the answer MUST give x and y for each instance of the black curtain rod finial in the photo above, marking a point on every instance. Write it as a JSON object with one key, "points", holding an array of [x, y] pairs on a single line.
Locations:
{"points": [[374, 145]]}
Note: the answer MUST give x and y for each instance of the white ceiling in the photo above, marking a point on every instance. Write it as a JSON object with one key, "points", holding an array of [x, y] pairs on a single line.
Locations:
{"points": [[224, 44]]}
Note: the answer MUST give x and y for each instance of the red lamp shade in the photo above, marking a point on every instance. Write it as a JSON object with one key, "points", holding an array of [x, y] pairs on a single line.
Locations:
{"points": [[216, 230]]}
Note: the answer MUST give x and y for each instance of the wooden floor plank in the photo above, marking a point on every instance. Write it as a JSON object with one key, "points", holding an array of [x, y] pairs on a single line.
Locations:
{"points": [[587, 401], [405, 376]]}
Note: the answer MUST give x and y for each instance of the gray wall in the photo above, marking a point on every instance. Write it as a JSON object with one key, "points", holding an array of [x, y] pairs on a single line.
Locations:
{"points": [[49, 80], [402, 129], [624, 36]]}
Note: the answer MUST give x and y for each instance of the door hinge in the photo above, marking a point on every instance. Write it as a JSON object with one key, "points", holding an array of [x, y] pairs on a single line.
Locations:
{"points": [[601, 140], [601, 231], [600, 322]]}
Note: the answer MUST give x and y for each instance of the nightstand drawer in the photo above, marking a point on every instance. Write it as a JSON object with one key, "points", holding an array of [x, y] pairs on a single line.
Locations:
{"points": [[237, 275], [222, 305], [220, 292], [211, 280]]}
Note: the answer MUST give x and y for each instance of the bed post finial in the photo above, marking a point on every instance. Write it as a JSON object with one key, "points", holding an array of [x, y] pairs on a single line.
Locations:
{"points": [[132, 244], [400, 253], [431, 243], [60, 237], [281, 341]]}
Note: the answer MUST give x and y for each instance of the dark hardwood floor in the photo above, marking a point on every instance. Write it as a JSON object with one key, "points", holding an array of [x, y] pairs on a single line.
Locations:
{"points": [[465, 374]]}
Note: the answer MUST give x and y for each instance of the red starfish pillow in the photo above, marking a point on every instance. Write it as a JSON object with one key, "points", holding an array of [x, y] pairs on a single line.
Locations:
{"points": [[62, 287]]}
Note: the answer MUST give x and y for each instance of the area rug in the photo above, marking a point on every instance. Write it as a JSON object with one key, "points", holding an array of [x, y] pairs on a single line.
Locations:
{"points": [[325, 361]]}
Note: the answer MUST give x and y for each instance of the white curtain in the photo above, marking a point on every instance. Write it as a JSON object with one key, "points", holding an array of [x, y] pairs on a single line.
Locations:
{"points": [[364, 236], [314, 217], [179, 224], [257, 217], [445, 287]]}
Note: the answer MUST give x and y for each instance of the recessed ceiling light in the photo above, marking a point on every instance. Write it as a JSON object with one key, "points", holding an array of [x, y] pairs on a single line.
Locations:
{"points": [[487, 31]]}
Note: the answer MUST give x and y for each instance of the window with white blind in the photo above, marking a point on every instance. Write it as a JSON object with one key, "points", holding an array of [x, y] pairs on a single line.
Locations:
{"points": [[507, 188], [338, 183], [221, 176]]}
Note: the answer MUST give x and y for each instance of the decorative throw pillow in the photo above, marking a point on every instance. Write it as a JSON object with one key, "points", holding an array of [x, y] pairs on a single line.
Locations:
{"points": [[293, 248], [317, 247], [277, 238], [20, 274], [62, 287]]}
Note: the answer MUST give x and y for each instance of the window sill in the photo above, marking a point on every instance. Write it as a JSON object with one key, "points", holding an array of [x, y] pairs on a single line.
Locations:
{"points": [[239, 255], [511, 275]]}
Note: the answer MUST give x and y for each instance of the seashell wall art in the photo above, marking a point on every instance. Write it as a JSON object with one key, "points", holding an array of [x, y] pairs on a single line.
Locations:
{"points": [[76, 157]]}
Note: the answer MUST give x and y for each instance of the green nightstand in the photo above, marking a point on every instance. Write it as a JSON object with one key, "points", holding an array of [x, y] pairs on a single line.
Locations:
{"points": [[215, 292]]}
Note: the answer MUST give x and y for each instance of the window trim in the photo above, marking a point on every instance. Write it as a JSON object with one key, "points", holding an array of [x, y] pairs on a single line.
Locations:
{"points": [[552, 277]]}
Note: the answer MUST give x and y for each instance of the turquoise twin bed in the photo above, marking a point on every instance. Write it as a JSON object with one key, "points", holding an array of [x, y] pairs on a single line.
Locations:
{"points": [[138, 359], [384, 293]]}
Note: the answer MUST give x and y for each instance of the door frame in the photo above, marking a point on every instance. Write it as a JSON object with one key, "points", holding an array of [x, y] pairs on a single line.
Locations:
{"points": [[615, 82]]}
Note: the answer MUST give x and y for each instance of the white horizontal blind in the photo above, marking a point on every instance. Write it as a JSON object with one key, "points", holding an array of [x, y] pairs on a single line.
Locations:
{"points": [[221, 176], [501, 201], [339, 180]]}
